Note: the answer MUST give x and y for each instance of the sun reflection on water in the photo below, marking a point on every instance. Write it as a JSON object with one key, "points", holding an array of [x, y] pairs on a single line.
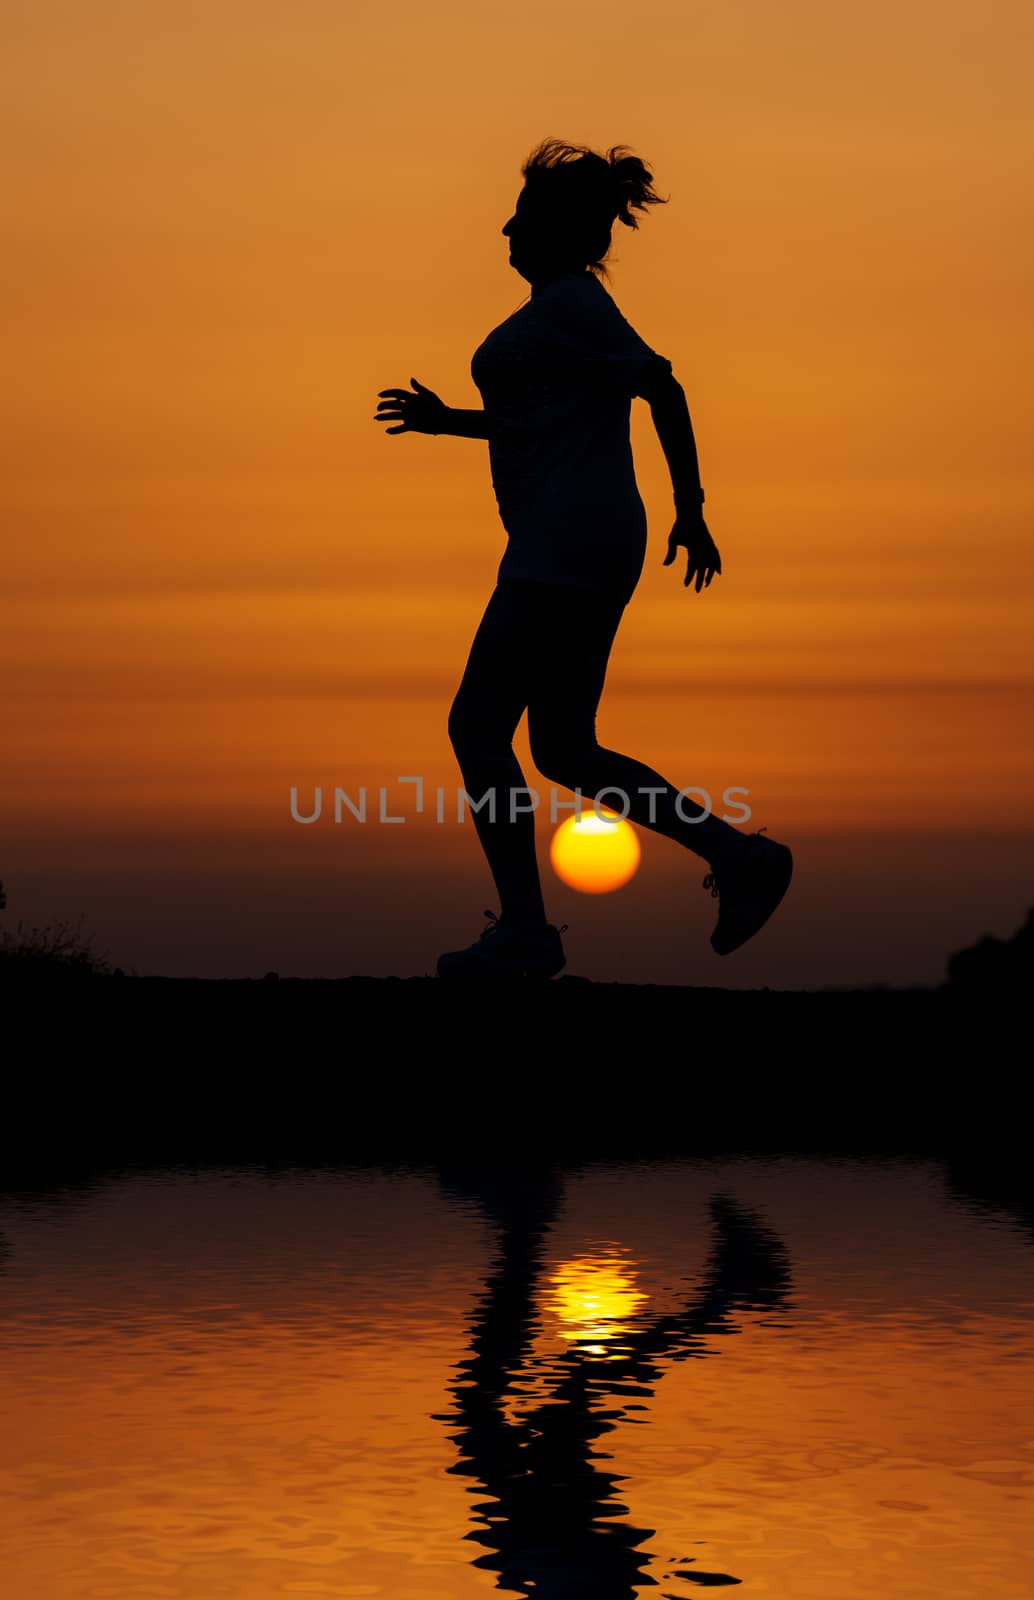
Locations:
{"points": [[594, 1299]]}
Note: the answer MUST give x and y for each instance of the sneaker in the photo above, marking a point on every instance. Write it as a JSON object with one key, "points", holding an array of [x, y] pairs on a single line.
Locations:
{"points": [[506, 952], [750, 888]]}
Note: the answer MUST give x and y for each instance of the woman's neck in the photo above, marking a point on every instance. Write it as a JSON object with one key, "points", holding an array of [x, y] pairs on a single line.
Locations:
{"points": [[562, 272]]}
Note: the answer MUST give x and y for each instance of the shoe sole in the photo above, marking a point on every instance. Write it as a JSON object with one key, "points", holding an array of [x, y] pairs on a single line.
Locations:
{"points": [[780, 880], [485, 973]]}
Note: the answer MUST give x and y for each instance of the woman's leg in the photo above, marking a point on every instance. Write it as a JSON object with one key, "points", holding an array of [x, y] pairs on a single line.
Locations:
{"points": [[489, 703], [575, 634]]}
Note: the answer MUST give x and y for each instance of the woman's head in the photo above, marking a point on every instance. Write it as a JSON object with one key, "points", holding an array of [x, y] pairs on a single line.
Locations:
{"points": [[572, 197]]}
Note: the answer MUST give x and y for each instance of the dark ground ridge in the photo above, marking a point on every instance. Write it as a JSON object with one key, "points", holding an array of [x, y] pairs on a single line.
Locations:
{"points": [[152, 1071]]}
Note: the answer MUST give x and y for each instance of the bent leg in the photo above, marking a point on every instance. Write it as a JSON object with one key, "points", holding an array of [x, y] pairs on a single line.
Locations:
{"points": [[574, 651], [487, 708]]}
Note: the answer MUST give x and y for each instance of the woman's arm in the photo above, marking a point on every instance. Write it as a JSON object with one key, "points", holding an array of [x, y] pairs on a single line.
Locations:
{"points": [[667, 401], [424, 412], [464, 424]]}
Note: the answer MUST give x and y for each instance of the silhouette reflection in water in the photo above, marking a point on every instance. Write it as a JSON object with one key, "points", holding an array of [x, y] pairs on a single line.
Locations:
{"points": [[553, 1525]]}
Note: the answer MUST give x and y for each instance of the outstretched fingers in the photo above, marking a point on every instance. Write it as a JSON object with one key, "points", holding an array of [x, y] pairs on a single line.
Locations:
{"points": [[704, 573], [390, 409]]}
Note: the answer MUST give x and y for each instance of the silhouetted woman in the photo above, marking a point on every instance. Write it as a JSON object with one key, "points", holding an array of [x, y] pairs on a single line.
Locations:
{"points": [[557, 379]]}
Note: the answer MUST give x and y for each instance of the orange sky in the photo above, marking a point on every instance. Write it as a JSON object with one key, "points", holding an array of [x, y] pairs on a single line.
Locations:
{"points": [[228, 227]]}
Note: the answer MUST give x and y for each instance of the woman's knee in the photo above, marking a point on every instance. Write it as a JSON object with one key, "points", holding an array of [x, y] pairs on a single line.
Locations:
{"points": [[462, 727], [565, 757], [472, 733]]}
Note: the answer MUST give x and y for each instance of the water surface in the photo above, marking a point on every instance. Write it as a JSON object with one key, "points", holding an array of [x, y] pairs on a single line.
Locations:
{"points": [[805, 1378]]}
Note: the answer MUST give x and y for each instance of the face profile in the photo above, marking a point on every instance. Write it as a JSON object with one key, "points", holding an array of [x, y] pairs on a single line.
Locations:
{"points": [[539, 250]]}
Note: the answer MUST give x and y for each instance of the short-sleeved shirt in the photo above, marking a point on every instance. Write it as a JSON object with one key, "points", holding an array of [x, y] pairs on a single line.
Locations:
{"points": [[557, 380]]}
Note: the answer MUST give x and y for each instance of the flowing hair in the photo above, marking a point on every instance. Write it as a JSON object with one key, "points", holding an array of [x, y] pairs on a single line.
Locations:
{"points": [[586, 192]]}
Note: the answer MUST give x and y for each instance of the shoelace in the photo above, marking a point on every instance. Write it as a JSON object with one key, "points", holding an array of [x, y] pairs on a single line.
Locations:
{"points": [[711, 881]]}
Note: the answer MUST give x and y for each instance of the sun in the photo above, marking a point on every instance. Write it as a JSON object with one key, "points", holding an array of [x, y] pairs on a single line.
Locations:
{"points": [[595, 854]]}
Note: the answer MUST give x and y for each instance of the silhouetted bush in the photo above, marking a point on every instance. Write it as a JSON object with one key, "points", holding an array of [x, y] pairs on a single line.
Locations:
{"points": [[996, 963], [59, 950]]}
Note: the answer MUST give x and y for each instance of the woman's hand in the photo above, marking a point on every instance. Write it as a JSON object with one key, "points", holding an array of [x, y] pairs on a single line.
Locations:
{"points": [[421, 412], [690, 532]]}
